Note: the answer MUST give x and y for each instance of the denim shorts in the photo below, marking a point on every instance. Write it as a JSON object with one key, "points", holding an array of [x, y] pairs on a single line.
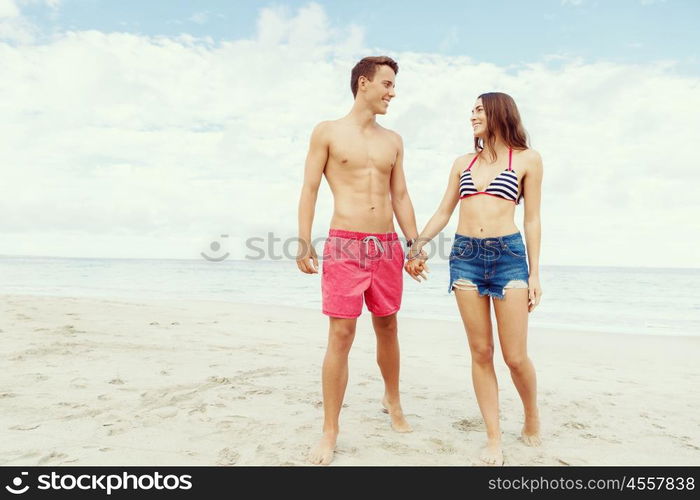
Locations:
{"points": [[491, 264]]}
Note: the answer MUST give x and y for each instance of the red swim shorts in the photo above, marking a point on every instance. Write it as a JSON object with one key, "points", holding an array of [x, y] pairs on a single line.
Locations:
{"points": [[357, 265]]}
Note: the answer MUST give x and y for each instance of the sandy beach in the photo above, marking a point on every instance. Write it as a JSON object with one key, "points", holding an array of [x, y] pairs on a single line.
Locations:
{"points": [[174, 382]]}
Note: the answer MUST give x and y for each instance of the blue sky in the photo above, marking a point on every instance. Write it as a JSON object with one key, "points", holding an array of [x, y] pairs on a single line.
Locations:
{"points": [[508, 32]]}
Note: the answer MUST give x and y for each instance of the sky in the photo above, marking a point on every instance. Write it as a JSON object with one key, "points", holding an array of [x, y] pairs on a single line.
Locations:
{"points": [[151, 129]]}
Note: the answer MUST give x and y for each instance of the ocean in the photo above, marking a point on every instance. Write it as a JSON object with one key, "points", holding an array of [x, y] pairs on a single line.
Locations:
{"points": [[616, 300]]}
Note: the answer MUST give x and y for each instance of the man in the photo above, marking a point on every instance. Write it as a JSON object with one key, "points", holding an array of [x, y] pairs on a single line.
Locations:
{"points": [[363, 258]]}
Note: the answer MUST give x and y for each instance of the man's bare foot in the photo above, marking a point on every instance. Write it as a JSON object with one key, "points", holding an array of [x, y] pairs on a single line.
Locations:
{"points": [[531, 432], [398, 421], [322, 453], [492, 454]]}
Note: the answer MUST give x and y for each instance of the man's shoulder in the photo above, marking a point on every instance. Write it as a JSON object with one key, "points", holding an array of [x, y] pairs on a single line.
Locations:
{"points": [[324, 131], [323, 127]]}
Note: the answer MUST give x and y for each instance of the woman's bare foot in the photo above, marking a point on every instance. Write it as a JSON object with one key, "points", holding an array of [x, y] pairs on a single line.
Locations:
{"points": [[531, 431], [322, 453], [492, 454], [398, 421]]}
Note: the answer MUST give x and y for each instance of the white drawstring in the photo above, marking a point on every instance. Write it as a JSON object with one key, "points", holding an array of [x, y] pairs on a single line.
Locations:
{"points": [[377, 243]]}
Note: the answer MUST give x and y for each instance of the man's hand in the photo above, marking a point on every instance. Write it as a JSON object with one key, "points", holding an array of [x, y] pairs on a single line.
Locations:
{"points": [[307, 260], [417, 267]]}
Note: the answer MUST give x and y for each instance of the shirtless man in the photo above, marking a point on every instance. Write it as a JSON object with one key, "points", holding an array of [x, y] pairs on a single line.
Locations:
{"points": [[363, 258]]}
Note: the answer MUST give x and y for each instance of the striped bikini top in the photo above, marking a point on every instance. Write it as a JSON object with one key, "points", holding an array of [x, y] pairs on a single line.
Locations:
{"points": [[505, 185]]}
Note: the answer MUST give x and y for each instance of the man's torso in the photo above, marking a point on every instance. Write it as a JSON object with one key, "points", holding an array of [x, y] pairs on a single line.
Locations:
{"points": [[358, 171]]}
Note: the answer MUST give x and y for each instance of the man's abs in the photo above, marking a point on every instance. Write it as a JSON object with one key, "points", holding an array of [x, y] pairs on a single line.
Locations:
{"points": [[358, 172], [357, 213]]}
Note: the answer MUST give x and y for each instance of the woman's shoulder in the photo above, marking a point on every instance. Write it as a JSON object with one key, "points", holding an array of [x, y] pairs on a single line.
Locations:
{"points": [[528, 155], [464, 159], [529, 159]]}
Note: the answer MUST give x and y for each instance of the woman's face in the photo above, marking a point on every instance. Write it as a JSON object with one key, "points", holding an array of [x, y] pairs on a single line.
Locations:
{"points": [[479, 119]]}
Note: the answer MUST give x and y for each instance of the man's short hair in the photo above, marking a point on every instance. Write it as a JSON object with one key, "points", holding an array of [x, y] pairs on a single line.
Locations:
{"points": [[367, 67]]}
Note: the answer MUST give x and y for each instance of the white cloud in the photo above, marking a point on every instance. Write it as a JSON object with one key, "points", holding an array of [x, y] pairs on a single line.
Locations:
{"points": [[8, 9], [125, 145]]}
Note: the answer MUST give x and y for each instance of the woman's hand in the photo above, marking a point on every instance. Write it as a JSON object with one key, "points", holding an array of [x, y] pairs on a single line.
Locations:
{"points": [[534, 293], [417, 267]]}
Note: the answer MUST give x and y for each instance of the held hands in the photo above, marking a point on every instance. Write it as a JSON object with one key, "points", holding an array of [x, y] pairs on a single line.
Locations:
{"points": [[417, 266], [307, 260]]}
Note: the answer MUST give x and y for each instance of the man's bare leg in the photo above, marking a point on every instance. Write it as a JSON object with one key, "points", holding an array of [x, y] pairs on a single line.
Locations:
{"points": [[388, 359], [335, 379]]}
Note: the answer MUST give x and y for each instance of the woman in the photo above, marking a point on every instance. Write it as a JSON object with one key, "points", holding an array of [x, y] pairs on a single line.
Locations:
{"points": [[489, 260]]}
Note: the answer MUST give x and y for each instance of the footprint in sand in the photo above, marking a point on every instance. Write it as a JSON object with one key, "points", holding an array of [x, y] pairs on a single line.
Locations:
{"points": [[227, 456], [467, 424], [219, 380], [28, 427], [54, 458], [116, 381], [114, 431], [396, 447], [259, 391], [198, 409], [685, 441], [443, 448], [79, 383], [575, 425], [224, 424], [346, 451], [68, 330]]}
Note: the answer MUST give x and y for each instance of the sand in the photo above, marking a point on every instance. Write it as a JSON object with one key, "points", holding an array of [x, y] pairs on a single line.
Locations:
{"points": [[88, 381]]}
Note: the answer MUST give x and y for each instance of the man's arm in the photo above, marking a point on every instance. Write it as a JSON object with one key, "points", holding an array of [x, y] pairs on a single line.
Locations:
{"points": [[400, 201], [307, 261]]}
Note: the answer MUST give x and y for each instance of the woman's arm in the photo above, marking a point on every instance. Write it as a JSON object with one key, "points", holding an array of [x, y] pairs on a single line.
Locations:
{"points": [[532, 193], [444, 211]]}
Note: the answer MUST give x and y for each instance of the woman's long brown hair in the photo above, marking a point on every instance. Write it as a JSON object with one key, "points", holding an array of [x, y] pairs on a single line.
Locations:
{"points": [[502, 120]]}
